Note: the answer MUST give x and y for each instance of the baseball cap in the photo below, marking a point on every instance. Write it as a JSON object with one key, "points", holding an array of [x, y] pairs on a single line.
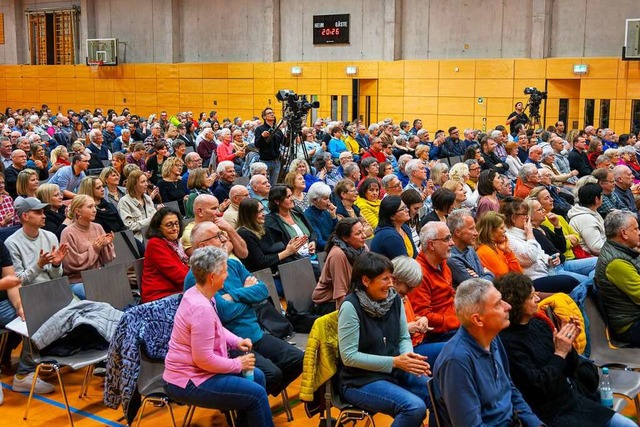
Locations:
{"points": [[26, 204]]}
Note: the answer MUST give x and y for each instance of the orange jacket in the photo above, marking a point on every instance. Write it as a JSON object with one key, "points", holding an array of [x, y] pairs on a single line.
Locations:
{"points": [[434, 297], [497, 261]]}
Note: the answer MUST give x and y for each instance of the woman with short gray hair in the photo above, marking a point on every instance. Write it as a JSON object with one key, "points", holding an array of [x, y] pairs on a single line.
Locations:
{"points": [[322, 213], [198, 370]]}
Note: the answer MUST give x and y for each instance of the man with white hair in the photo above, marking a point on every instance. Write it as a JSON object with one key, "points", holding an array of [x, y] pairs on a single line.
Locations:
{"points": [[623, 177], [434, 297], [417, 173], [156, 136], [226, 175], [122, 142], [352, 172], [337, 174], [191, 161], [258, 168], [259, 187], [608, 139], [109, 134], [471, 375], [535, 155], [391, 185], [401, 174], [527, 179], [97, 147]]}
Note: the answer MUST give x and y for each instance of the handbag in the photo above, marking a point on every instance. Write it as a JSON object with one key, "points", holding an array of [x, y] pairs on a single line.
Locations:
{"points": [[271, 319], [302, 321], [580, 253]]}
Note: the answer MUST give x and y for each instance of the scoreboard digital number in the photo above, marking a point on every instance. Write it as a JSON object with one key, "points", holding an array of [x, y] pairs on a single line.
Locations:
{"points": [[331, 29]]}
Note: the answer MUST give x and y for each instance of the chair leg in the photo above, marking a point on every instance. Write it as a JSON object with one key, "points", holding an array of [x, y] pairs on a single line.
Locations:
{"points": [[170, 408], [84, 389], [3, 343], [287, 405], [143, 405], [188, 416], [64, 393], [33, 387]]}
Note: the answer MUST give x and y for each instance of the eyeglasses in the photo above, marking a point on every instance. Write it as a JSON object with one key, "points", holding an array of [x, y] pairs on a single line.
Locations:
{"points": [[402, 208], [175, 224], [260, 211], [443, 239], [521, 214], [220, 236]]}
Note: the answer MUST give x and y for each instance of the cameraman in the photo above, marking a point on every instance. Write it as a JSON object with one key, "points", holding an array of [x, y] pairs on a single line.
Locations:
{"points": [[517, 117], [268, 141]]}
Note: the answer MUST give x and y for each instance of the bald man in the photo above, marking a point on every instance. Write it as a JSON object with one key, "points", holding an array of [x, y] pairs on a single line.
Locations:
{"points": [[207, 208], [236, 195]]}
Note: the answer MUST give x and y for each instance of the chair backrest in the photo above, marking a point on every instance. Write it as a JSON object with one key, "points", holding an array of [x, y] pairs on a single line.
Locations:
{"points": [[126, 253], [108, 284], [454, 159], [143, 231], [42, 300], [187, 221], [241, 180], [322, 257], [188, 149], [266, 277], [138, 267], [106, 163], [436, 405], [150, 376], [298, 282], [173, 205]]}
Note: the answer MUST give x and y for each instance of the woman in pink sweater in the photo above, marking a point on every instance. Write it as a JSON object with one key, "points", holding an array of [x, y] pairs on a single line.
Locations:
{"points": [[197, 368], [89, 246]]}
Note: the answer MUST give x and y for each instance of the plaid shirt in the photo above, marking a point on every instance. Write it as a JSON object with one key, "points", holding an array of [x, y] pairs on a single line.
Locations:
{"points": [[6, 208], [609, 202]]}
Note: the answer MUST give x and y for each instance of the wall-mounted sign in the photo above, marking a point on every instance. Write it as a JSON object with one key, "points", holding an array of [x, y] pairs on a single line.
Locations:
{"points": [[331, 29]]}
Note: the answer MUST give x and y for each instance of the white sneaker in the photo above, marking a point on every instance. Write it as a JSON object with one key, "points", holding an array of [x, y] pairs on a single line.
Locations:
{"points": [[24, 385]]}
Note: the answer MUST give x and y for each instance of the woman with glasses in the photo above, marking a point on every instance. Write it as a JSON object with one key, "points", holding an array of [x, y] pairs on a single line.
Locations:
{"points": [[170, 185], [346, 194], [535, 263], [263, 250], [8, 215], [199, 182], [393, 236], [344, 246], [165, 263]]}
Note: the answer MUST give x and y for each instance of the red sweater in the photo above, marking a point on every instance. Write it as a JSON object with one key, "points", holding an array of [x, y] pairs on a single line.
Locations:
{"points": [[163, 273], [434, 297]]}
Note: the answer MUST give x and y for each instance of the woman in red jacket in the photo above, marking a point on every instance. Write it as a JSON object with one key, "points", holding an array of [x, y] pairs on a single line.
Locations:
{"points": [[165, 262]]}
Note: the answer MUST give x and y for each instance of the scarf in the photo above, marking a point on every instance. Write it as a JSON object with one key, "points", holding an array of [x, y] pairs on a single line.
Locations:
{"points": [[351, 253], [177, 248], [376, 308]]}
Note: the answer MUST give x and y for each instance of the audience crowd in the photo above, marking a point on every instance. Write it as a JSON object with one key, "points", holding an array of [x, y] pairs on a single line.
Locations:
{"points": [[414, 231]]}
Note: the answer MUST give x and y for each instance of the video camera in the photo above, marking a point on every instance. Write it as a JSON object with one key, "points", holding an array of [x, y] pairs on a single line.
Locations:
{"points": [[535, 98], [295, 107]]}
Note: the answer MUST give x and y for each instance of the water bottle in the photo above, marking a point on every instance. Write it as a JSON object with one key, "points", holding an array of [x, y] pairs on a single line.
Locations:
{"points": [[248, 373], [606, 393]]}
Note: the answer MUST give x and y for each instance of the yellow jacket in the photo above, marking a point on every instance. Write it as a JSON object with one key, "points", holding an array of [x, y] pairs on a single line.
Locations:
{"points": [[352, 145], [369, 210], [320, 356], [564, 307]]}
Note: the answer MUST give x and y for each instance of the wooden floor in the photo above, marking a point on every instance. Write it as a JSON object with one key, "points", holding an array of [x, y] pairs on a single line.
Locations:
{"points": [[49, 411]]}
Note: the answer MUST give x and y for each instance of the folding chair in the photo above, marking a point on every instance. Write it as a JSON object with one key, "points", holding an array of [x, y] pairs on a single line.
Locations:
{"points": [[434, 404], [40, 301], [266, 277], [125, 246], [4, 339], [626, 383], [151, 387], [604, 351], [322, 257], [106, 163], [298, 282], [173, 205], [241, 180], [108, 284], [143, 231], [454, 159], [138, 267]]}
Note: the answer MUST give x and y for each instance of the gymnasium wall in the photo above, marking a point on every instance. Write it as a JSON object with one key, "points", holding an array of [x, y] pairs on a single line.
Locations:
{"points": [[442, 93]]}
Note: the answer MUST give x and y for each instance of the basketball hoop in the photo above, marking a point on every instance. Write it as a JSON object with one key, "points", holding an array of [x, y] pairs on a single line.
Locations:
{"points": [[94, 65]]}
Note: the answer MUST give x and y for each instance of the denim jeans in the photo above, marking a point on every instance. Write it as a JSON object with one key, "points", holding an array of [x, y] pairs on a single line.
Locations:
{"points": [[273, 168], [26, 364], [406, 401], [431, 350], [229, 392], [585, 266], [78, 290], [619, 420]]}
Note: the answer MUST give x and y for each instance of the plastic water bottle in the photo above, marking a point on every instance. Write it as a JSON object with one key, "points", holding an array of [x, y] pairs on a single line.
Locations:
{"points": [[606, 393], [248, 373]]}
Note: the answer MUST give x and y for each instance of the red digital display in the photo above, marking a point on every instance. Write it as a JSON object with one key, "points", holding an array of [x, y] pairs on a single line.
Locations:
{"points": [[331, 29]]}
